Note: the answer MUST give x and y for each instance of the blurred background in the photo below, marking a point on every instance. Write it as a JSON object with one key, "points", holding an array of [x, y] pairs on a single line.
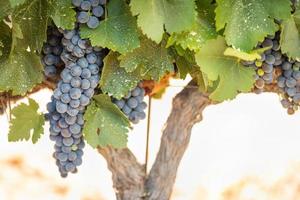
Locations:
{"points": [[245, 149]]}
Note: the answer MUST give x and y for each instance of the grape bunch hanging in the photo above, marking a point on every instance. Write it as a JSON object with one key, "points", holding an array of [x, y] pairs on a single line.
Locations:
{"points": [[276, 68], [82, 65]]}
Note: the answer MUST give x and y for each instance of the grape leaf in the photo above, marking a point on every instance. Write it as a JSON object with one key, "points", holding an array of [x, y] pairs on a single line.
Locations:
{"points": [[202, 30], [21, 72], [233, 77], [32, 17], [105, 124], [151, 60], [247, 22], [290, 38], [26, 121], [154, 15], [195, 38], [118, 31], [20, 69], [62, 13], [5, 9], [115, 80], [15, 3]]}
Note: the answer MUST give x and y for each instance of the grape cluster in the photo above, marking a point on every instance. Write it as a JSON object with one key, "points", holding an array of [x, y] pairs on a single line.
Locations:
{"points": [[74, 91], [133, 105], [289, 84], [265, 67], [274, 63], [89, 12], [51, 52]]}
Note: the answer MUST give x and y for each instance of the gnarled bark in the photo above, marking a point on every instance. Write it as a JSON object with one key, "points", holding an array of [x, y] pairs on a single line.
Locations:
{"points": [[127, 174], [186, 111], [129, 178]]}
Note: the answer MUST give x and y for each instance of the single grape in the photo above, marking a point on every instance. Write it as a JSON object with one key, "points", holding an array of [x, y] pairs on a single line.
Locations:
{"points": [[85, 84], [75, 103], [260, 83], [65, 87], [50, 71], [132, 103], [86, 73], [66, 133], [93, 22], [61, 107], [286, 66], [84, 100], [68, 141], [76, 71], [95, 2], [281, 81], [98, 11], [270, 59], [85, 5], [76, 3], [76, 82], [268, 68], [290, 82]]}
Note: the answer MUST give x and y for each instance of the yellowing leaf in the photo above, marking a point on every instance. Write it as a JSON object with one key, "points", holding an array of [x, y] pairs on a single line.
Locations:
{"points": [[26, 121]]}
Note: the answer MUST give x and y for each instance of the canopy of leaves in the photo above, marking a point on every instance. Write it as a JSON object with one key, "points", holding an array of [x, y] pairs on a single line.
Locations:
{"points": [[26, 121], [233, 77], [247, 22], [118, 31], [154, 15], [115, 80], [105, 124]]}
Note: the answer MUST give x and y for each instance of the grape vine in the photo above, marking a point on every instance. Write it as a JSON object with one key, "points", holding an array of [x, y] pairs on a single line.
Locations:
{"points": [[99, 54]]}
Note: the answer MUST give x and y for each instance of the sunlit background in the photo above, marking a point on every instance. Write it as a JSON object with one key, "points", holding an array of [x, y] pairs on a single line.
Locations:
{"points": [[245, 149]]}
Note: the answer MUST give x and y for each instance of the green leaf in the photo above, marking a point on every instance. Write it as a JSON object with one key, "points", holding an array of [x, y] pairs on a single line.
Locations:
{"points": [[26, 121], [117, 32], [195, 38], [202, 30], [290, 38], [21, 72], [31, 17], [5, 9], [248, 22], [151, 60], [115, 80], [15, 3], [105, 124], [20, 69], [233, 77], [62, 13], [154, 15]]}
